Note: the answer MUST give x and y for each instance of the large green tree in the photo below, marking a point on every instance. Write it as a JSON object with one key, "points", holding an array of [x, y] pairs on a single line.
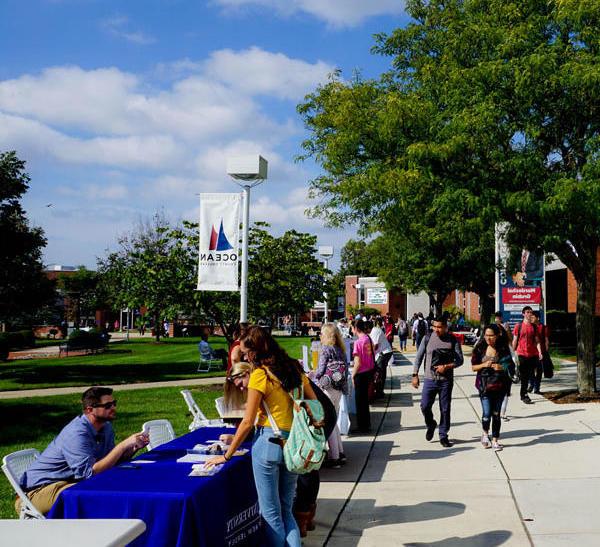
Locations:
{"points": [[83, 291], [153, 268], [494, 103], [24, 288], [284, 274]]}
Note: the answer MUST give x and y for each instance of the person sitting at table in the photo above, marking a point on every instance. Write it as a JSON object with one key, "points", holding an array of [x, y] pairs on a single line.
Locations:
{"points": [[274, 375], [207, 353], [84, 447]]}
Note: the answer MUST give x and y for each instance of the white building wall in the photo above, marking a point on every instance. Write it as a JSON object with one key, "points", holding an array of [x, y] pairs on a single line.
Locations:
{"points": [[416, 303]]}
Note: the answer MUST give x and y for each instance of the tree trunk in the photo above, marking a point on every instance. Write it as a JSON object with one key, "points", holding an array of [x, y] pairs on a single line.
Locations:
{"points": [[487, 309], [436, 302], [157, 327], [586, 344]]}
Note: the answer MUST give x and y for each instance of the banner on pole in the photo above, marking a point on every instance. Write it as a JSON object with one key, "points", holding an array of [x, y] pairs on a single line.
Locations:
{"points": [[218, 255]]}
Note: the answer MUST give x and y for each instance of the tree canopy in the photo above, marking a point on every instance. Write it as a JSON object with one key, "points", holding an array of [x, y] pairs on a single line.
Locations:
{"points": [[489, 113], [24, 288]]}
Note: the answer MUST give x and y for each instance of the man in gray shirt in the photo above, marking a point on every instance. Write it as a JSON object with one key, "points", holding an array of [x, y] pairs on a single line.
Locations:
{"points": [[442, 354], [84, 447]]}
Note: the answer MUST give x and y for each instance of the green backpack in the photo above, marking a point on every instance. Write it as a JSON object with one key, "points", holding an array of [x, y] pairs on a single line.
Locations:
{"points": [[306, 447]]}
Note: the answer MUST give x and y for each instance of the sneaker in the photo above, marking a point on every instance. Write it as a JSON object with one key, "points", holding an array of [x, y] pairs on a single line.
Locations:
{"points": [[505, 418], [430, 431], [537, 391], [526, 400], [333, 464], [485, 441], [529, 389], [497, 446], [342, 458]]}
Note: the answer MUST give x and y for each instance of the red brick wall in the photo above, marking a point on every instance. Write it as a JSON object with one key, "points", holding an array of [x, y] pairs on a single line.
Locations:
{"points": [[351, 292], [471, 308], [572, 288]]}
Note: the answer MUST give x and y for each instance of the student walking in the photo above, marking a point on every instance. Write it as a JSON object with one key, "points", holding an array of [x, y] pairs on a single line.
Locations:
{"points": [[441, 353], [535, 382], [491, 360], [402, 327], [526, 343]]}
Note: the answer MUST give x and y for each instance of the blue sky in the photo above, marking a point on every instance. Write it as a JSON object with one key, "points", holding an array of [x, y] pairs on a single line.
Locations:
{"points": [[124, 108]]}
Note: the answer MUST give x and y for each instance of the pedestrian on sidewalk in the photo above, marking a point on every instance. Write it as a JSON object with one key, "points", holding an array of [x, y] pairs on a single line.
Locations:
{"points": [[535, 382], [362, 374], [507, 335], [420, 329], [402, 327], [383, 354], [332, 377], [442, 353], [491, 360], [526, 343]]}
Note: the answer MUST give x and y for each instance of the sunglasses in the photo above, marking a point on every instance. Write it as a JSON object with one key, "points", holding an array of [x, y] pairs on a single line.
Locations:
{"points": [[108, 405], [236, 376]]}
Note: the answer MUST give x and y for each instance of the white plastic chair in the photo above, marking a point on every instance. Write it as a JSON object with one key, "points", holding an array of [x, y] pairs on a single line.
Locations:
{"points": [[199, 419], [206, 365], [159, 431], [14, 465], [220, 404]]}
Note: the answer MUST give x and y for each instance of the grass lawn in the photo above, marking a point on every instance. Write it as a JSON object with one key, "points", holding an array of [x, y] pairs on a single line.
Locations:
{"points": [[34, 422], [139, 360]]}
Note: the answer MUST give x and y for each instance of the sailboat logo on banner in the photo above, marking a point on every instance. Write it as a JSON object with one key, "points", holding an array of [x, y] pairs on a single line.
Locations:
{"points": [[219, 242]]}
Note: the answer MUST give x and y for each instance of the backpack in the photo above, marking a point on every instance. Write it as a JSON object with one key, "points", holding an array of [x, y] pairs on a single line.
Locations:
{"points": [[306, 447], [335, 375], [422, 327], [402, 328], [492, 381]]}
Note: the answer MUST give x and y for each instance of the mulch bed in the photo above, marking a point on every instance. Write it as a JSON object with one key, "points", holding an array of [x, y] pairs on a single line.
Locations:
{"points": [[570, 396]]}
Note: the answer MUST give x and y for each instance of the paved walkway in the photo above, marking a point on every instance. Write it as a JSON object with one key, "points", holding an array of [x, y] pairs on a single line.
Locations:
{"points": [[543, 489], [80, 389]]}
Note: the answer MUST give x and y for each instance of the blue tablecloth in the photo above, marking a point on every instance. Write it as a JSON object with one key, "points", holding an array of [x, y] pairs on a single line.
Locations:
{"points": [[178, 510]]}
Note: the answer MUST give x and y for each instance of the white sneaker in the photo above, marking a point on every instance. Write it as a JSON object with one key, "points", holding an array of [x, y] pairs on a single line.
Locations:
{"points": [[497, 446], [485, 441]]}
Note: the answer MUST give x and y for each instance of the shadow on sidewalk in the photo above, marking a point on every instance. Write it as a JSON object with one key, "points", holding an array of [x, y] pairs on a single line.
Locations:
{"points": [[364, 514], [557, 438], [485, 539]]}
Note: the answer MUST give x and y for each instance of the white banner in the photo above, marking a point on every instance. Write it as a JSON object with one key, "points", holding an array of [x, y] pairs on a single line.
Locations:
{"points": [[218, 255]]}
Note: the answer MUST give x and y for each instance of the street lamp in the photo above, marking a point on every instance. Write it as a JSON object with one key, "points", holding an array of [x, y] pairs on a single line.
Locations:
{"points": [[326, 251], [247, 171]]}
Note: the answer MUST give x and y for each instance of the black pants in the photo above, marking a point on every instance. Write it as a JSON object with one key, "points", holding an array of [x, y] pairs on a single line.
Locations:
{"points": [[307, 491], [381, 365], [361, 394], [526, 368]]}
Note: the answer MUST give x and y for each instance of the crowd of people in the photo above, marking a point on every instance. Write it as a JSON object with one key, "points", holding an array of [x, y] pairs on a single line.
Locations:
{"points": [[261, 378]]}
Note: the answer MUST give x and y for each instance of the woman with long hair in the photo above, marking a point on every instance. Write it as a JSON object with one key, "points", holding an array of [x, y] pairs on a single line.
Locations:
{"points": [[235, 393], [331, 375], [235, 353], [273, 377], [491, 360]]}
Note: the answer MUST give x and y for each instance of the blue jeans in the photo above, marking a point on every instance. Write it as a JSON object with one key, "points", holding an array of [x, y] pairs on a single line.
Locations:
{"points": [[432, 388], [490, 411], [276, 488]]}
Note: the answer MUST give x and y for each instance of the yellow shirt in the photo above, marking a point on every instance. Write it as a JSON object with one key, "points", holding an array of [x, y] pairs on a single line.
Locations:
{"points": [[279, 401]]}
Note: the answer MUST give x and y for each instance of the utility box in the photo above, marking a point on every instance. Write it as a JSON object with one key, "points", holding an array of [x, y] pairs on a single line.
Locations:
{"points": [[247, 167]]}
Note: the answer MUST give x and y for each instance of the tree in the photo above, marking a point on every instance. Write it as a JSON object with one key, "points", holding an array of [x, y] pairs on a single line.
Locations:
{"points": [[24, 288], [81, 288], [491, 105], [153, 268], [284, 275], [520, 86]]}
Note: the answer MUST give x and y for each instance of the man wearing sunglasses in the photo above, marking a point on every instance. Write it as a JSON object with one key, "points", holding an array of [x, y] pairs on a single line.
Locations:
{"points": [[84, 447]]}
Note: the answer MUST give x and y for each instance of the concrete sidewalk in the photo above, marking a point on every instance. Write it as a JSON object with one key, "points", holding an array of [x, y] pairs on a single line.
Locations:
{"points": [[398, 489]]}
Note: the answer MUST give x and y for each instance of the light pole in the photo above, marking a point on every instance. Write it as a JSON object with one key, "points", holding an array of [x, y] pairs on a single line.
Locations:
{"points": [[247, 171], [326, 251]]}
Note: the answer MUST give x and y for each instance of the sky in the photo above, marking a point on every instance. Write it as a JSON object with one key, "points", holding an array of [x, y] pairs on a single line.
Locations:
{"points": [[125, 108]]}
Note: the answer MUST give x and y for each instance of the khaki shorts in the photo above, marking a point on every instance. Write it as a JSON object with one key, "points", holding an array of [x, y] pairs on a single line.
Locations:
{"points": [[43, 497]]}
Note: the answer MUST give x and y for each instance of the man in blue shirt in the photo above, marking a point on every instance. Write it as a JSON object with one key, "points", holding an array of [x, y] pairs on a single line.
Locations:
{"points": [[84, 447]]}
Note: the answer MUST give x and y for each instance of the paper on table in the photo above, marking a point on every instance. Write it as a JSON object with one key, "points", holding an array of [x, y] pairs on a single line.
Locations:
{"points": [[194, 458], [201, 471], [144, 461]]}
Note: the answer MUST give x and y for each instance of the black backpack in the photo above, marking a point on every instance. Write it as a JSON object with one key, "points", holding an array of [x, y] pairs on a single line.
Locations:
{"points": [[422, 327]]}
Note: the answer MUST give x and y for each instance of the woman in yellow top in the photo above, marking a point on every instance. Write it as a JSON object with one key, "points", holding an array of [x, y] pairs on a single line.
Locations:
{"points": [[274, 376]]}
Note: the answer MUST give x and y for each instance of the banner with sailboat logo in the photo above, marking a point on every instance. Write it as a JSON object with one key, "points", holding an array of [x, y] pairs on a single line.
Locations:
{"points": [[218, 255]]}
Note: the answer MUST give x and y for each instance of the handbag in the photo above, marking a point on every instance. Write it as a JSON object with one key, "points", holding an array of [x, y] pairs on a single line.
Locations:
{"points": [[547, 365], [306, 446], [442, 356], [492, 381]]}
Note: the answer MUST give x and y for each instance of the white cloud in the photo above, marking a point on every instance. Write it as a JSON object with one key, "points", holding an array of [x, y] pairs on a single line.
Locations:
{"points": [[119, 26], [337, 13], [262, 72]]}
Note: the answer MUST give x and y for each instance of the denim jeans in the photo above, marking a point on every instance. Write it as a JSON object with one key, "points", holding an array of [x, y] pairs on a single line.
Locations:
{"points": [[431, 389], [491, 405], [276, 488]]}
